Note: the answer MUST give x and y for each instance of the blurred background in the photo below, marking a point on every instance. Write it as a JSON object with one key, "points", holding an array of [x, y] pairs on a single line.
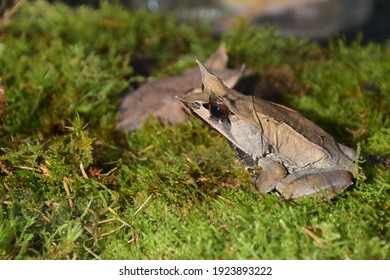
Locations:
{"points": [[316, 19]]}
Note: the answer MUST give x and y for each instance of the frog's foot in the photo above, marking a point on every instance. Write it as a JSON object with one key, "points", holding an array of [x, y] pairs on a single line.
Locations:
{"points": [[324, 184], [267, 174]]}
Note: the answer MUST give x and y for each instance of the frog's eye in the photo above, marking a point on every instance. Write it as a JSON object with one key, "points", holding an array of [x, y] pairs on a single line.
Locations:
{"points": [[219, 110]]}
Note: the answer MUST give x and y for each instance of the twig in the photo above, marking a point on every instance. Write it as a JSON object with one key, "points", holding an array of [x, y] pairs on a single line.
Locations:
{"points": [[143, 204], [89, 250], [67, 191], [133, 233], [312, 235], [83, 170], [28, 168], [10, 13], [7, 187], [225, 199]]}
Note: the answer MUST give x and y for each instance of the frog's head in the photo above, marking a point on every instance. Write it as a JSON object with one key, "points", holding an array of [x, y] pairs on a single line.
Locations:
{"points": [[215, 104], [209, 103]]}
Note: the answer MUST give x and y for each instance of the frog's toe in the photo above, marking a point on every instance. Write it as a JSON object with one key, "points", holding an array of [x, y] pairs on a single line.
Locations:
{"points": [[325, 185]]}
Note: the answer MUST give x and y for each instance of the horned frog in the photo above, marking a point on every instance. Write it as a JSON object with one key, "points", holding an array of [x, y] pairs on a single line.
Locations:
{"points": [[283, 151]]}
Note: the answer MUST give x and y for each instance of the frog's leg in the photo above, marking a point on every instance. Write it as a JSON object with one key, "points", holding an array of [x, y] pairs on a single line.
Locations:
{"points": [[327, 184], [266, 174]]}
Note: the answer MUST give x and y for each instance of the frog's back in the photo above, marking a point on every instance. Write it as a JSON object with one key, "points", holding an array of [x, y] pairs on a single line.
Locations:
{"points": [[296, 139]]}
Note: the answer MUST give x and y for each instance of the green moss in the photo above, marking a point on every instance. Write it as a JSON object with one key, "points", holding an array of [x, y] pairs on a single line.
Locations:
{"points": [[72, 188]]}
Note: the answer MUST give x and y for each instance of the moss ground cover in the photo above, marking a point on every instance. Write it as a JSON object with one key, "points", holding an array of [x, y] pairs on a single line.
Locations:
{"points": [[73, 188]]}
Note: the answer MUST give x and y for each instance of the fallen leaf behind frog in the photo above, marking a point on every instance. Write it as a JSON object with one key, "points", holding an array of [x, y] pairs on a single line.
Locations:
{"points": [[157, 98]]}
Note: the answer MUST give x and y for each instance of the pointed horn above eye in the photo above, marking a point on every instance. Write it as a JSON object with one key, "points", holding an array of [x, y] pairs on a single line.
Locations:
{"points": [[203, 70], [211, 82]]}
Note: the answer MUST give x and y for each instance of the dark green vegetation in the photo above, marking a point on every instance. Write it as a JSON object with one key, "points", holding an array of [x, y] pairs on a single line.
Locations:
{"points": [[71, 187]]}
